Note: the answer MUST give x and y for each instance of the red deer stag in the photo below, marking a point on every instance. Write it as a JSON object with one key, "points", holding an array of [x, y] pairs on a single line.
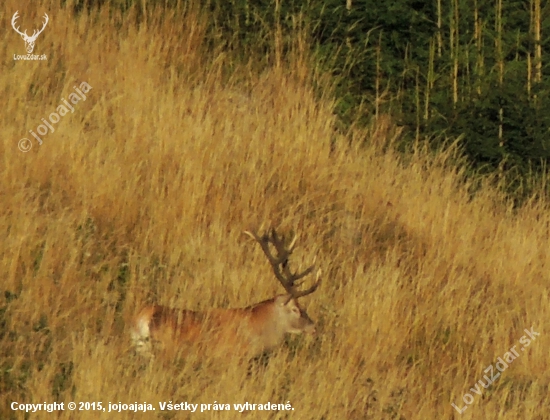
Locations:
{"points": [[246, 332]]}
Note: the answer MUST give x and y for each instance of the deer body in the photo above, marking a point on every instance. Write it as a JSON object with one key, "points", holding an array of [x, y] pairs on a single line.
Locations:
{"points": [[246, 331], [243, 332]]}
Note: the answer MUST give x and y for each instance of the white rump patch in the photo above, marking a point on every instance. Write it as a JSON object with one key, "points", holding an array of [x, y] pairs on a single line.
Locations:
{"points": [[141, 337]]}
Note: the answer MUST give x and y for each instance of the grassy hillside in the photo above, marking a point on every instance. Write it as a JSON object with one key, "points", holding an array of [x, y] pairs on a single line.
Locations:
{"points": [[142, 194]]}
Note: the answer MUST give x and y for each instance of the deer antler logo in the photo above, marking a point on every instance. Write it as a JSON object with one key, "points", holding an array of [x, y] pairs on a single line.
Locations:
{"points": [[29, 40]]}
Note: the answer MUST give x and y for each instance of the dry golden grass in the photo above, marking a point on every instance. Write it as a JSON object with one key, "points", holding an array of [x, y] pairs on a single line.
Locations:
{"points": [[142, 195]]}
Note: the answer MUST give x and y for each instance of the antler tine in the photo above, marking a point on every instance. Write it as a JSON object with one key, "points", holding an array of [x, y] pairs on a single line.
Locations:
{"points": [[46, 20], [263, 241], [292, 243], [280, 265], [283, 254], [279, 245], [275, 262], [294, 277], [312, 288], [35, 33], [13, 19]]}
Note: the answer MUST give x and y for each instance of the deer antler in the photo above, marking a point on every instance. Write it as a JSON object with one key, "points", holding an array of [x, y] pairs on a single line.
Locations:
{"points": [[279, 263], [35, 33], [46, 20], [13, 19]]}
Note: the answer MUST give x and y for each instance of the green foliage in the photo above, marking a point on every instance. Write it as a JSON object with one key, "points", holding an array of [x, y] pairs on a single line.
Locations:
{"points": [[468, 70], [457, 78]]}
